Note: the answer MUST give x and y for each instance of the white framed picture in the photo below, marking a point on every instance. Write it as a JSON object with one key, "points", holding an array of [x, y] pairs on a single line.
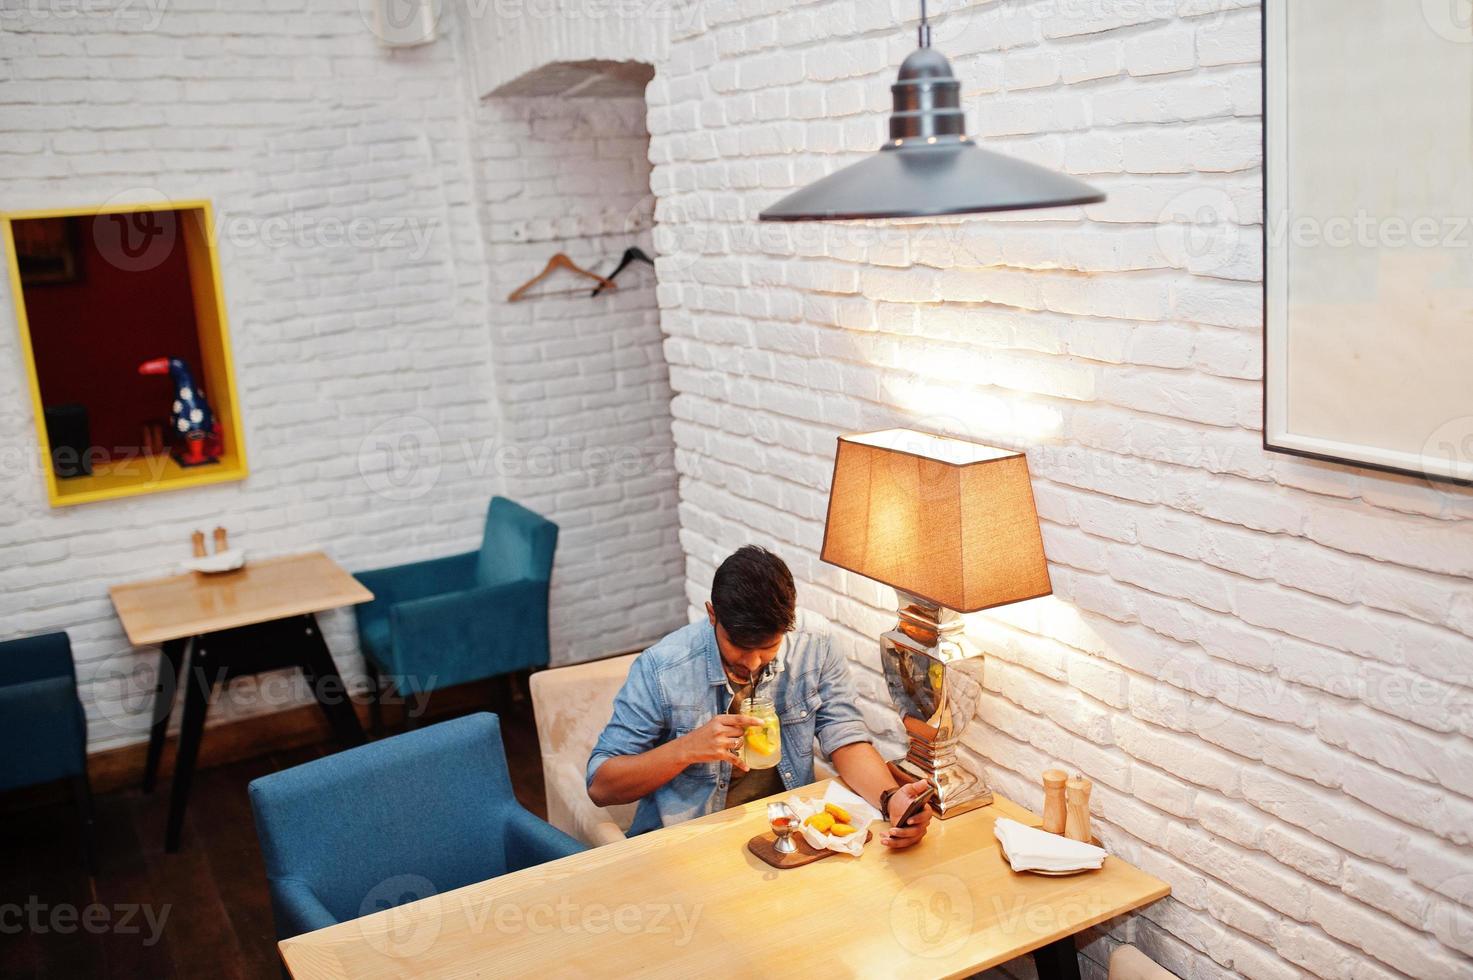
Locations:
{"points": [[1368, 234]]}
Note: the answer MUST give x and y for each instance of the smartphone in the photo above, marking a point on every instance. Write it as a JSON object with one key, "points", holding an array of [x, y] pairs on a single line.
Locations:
{"points": [[916, 805]]}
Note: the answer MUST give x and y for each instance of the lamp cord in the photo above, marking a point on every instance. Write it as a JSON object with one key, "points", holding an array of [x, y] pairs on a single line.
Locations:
{"points": [[923, 32]]}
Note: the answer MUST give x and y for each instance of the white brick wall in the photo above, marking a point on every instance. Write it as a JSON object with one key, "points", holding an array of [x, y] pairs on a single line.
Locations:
{"points": [[584, 387], [296, 125], [300, 128], [511, 38], [1263, 663]]}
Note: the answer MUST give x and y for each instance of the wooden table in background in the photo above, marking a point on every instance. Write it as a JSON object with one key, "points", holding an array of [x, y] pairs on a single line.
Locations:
{"points": [[691, 901], [256, 618]]}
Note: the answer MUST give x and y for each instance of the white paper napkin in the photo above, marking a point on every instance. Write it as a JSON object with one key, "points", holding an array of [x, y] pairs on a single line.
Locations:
{"points": [[860, 812], [1031, 849]]}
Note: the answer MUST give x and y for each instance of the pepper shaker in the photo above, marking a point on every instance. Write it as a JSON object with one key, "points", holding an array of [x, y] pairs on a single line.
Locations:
{"points": [[1076, 809], [220, 544], [198, 540], [1053, 800]]}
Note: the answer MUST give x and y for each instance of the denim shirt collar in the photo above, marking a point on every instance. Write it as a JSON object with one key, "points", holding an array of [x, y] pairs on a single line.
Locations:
{"points": [[716, 674]]}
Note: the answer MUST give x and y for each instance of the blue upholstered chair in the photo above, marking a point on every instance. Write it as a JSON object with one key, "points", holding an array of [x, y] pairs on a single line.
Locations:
{"points": [[446, 621], [394, 821], [43, 729]]}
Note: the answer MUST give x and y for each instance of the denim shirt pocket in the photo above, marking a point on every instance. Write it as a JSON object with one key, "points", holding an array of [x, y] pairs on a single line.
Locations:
{"points": [[797, 716], [697, 779]]}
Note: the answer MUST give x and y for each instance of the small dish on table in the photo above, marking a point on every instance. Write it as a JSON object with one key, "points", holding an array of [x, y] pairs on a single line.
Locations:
{"points": [[1037, 851], [220, 561]]}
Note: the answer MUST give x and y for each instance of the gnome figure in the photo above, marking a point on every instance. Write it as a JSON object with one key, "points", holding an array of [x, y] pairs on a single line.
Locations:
{"points": [[194, 434]]}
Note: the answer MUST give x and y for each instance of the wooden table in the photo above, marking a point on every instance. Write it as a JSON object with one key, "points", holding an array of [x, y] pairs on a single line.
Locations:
{"points": [[256, 618], [690, 901]]}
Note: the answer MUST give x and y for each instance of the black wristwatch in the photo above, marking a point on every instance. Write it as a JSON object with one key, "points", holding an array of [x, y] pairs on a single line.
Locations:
{"points": [[885, 801]]}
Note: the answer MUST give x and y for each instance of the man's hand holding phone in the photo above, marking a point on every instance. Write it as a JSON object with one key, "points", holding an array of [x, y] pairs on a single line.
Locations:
{"points": [[909, 814]]}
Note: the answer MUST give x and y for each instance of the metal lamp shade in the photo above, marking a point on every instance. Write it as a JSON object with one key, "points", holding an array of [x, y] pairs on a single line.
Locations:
{"points": [[930, 181], [930, 167], [945, 520]]}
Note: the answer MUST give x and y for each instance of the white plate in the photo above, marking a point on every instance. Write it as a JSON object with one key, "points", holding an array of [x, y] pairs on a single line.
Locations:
{"points": [[221, 561]]}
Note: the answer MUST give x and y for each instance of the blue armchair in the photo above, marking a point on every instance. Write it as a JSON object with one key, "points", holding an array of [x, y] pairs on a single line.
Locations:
{"points": [[42, 725], [394, 821], [446, 621]]}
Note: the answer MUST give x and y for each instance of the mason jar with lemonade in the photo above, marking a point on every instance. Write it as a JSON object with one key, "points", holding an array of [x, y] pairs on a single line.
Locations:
{"points": [[763, 744]]}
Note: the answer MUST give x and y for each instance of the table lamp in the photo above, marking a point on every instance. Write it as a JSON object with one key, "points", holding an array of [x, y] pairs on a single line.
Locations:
{"points": [[952, 527]]}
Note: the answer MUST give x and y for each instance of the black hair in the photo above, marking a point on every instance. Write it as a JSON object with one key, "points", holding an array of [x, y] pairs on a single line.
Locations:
{"points": [[753, 596]]}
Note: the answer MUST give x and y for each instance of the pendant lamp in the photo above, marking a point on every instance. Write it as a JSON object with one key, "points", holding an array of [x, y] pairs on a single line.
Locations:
{"points": [[930, 167]]}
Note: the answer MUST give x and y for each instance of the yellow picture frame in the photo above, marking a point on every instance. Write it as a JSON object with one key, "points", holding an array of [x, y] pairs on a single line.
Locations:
{"points": [[129, 478]]}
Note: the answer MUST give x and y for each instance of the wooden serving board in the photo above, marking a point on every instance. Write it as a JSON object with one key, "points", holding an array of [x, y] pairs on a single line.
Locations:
{"points": [[765, 847]]}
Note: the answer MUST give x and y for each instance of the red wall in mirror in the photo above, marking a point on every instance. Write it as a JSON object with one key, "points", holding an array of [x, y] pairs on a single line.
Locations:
{"points": [[127, 300]]}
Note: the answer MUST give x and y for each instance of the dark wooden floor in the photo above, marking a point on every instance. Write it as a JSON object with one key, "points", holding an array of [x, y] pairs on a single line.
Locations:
{"points": [[210, 913]]}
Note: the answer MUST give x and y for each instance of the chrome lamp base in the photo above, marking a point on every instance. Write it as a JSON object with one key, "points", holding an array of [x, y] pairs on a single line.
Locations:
{"points": [[960, 790], [935, 679]]}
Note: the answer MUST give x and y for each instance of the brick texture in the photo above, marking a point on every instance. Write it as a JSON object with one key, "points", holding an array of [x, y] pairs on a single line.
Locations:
{"points": [[387, 390], [293, 124], [585, 394], [1263, 663]]}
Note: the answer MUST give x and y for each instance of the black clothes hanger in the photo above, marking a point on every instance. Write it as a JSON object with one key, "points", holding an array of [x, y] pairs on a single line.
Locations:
{"points": [[633, 254]]}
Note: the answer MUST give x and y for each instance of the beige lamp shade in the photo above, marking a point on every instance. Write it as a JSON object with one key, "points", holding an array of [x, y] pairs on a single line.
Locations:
{"points": [[946, 520]]}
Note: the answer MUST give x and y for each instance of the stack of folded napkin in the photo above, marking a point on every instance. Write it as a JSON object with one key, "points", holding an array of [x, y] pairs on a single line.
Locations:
{"points": [[1031, 849]]}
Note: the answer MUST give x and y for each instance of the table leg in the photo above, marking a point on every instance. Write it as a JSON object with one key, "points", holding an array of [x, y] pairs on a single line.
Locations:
{"points": [[82, 792], [376, 694], [202, 677], [163, 706], [1057, 961], [328, 687]]}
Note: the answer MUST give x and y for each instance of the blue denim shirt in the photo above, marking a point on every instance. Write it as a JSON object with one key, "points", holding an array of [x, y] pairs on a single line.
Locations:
{"points": [[677, 685]]}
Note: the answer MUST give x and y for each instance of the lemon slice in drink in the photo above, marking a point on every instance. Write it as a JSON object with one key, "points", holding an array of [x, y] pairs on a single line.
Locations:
{"points": [[757, 740]]}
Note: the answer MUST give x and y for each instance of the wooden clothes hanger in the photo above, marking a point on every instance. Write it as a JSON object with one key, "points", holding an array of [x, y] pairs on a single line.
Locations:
{"points": [[633, 254], [558, 261]]}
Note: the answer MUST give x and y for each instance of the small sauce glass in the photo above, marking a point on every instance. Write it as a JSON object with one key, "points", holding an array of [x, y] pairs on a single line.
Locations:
{"points": [[783, 821]]}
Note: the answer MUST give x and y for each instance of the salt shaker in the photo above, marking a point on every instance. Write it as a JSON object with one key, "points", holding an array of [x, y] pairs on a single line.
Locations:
{"points": [[1076, 809], [198, 540], [1053, 800], [220, 544]]}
